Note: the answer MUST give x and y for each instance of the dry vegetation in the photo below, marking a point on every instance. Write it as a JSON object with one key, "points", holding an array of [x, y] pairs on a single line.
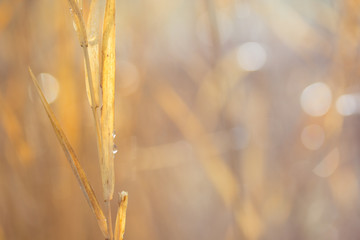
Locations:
{"points": [[232, 119]]}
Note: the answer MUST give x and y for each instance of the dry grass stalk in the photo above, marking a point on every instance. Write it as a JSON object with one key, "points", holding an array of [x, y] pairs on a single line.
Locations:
{"points": [[78, 22], [105, 121], [79, 25], [107, 113], [121, 216], [93, 28], [74, 162], [108, 107], [105, 131]]}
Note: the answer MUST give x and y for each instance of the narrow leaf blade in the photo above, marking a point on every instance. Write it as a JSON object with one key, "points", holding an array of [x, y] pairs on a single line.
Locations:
{"points": [[78, 22], [74, 162], [93, 28], [108, 96]]}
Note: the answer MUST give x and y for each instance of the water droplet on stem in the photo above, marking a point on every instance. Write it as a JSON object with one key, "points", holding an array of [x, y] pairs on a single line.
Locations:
{"points": [[115, 149]]}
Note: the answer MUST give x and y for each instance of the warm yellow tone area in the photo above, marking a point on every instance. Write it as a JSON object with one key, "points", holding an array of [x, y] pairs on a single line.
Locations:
{"points": [[212, 119]]}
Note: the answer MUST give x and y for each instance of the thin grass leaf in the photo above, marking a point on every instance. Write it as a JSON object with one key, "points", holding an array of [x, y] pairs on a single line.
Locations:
{"points": [[78, 22], [79, 25], [108, 96], [81, 30], [74, 162], [93, 28], [121, 216]]}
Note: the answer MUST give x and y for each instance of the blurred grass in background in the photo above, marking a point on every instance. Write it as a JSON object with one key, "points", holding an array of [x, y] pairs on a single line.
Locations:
{"points": [[234, 120]]}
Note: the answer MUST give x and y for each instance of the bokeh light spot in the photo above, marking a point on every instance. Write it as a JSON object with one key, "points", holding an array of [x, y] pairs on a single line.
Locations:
{"points": [[316, 99], [347, 105], [251, 56], [50, 86], [313, 137]]}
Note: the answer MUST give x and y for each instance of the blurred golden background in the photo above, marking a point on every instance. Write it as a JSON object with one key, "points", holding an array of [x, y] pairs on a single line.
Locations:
{"points": [[235, 119]]}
